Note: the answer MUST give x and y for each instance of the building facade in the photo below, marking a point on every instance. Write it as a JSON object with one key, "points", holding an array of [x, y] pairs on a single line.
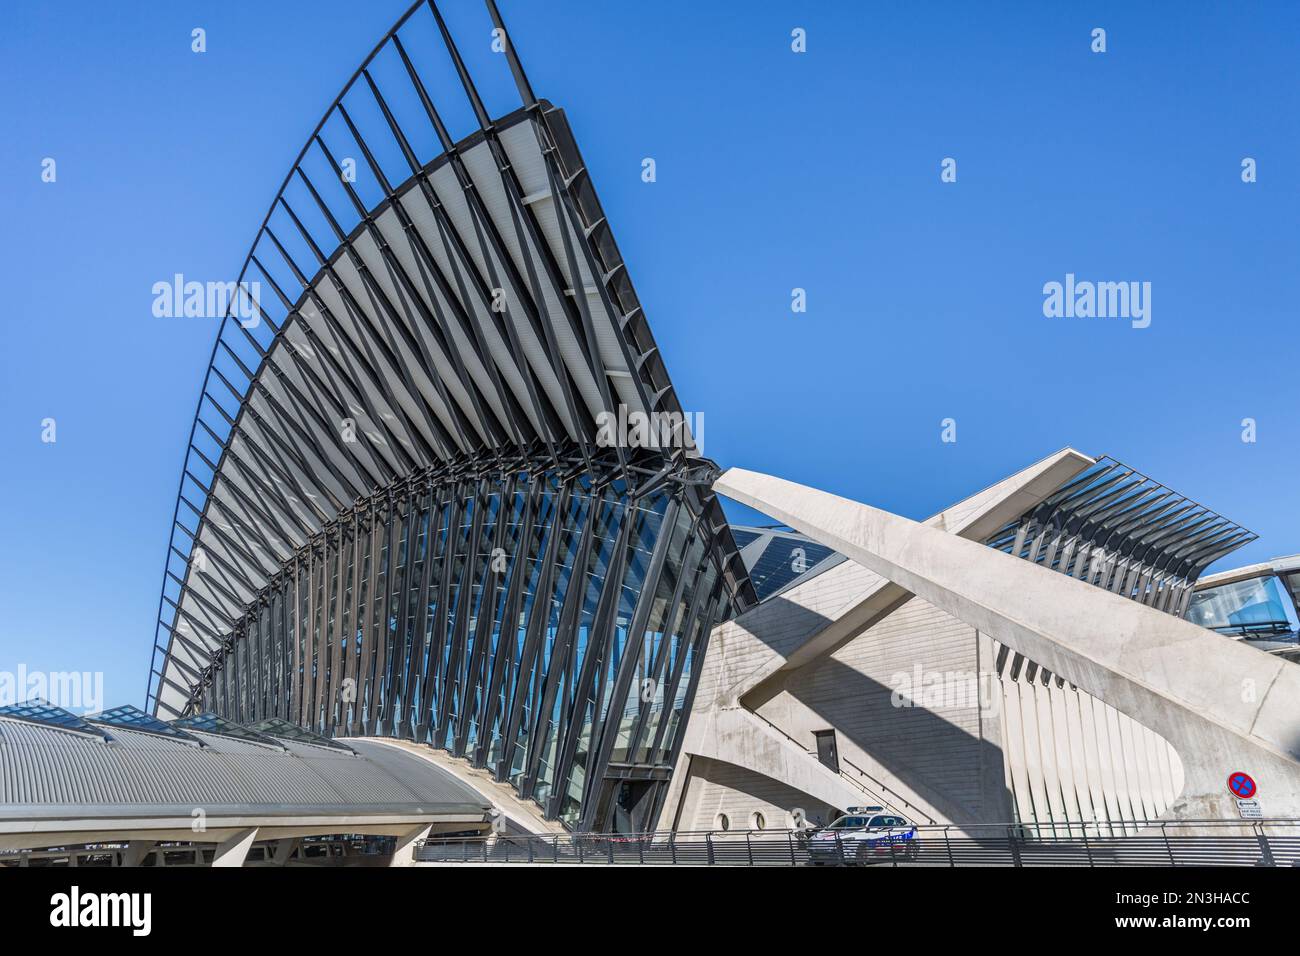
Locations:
{"points": [[1042, 675], [440, 488], [439, 485]]}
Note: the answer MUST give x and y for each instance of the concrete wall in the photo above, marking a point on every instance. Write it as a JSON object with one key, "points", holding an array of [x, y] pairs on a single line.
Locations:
{"points": [[1071, 757], [716, 788], [935, 763], [940, 751], [967, 745]]}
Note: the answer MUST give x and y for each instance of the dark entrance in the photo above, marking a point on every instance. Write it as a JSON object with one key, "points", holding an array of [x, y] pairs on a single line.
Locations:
{"points": [[632, 801]]}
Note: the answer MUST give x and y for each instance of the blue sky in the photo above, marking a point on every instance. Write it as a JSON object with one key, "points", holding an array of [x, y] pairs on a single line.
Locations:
{"points": [[775, 170]]}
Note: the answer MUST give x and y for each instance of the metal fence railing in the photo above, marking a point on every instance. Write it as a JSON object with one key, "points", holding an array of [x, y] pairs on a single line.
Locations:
{"points": [[1152, 843]]}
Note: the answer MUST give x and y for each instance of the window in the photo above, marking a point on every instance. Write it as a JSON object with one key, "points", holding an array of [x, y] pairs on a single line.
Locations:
{"points": [[757, 821], [723, 822], [849, 823], [1253, 606], [827, 750], [784, 559]]}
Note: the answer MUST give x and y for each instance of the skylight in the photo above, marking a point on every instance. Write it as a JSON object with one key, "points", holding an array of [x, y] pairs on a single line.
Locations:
{"points": [[37, 711], [210, 723], [133, 718], [275, 727]]}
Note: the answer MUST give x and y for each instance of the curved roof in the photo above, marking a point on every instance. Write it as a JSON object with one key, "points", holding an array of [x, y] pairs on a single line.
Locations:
{"points": [[52, 772], [415, 303]]}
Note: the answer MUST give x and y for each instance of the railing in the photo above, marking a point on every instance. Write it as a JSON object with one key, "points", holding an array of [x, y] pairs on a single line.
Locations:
{"points": [[1159, 843]]}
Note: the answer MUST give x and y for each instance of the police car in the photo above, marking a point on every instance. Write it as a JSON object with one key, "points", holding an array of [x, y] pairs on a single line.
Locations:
{"points": [[864, 835]]}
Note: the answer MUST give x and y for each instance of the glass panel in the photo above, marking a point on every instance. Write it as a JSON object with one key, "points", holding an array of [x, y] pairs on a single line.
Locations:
{"points": [[274, 727], [37, 711], [416, 608], [667, 653], [210, 723], [134, 718], [648, 642], [784, 559], [1255, 607]]}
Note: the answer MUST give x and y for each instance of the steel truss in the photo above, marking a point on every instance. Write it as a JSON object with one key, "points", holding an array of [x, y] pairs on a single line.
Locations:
{"points": [[395, 621], [1119, 530], [442, 332]]}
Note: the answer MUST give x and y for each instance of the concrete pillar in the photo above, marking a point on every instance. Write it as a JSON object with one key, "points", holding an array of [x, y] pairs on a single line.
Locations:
{"points": [[284, 849], [995, 797], [136, 851], [232, 850], [404, 852]]}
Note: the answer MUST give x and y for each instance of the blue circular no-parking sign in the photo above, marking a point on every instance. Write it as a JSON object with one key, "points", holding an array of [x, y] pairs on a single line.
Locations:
{"points": [[1242, 785]]}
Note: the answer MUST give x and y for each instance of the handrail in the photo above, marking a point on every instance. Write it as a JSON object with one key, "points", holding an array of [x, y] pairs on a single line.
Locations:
{"points": [[911, 807], [1203, 843], [1080, 826]]}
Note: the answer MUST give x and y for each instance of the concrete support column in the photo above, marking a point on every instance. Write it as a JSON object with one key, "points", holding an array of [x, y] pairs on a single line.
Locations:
{"points": [[232, 850], [136, 851], [404, 851], [284, 849], [995, 796]]}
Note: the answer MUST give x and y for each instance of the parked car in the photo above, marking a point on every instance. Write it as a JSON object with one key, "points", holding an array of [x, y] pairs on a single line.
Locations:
{"points": [[858, 838]]}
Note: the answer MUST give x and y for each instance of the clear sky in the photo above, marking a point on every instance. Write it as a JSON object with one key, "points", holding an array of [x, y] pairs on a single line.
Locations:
{"points": [[775, 171]]}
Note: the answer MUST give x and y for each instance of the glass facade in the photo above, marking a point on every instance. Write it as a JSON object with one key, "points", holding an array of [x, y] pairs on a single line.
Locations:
{"points": [[1255, 607], [538, 626], [784, 559]]}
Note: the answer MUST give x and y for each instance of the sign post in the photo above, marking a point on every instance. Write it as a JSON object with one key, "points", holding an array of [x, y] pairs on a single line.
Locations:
{"points": [[1242, 786]]}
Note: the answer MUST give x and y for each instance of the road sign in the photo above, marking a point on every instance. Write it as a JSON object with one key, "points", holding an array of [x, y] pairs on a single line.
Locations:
{"points": [[1250, 810], [1242, 785]]}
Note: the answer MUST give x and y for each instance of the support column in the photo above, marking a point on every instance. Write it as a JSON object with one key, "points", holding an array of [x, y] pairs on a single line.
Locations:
{"points": [[232, 850], [284, 849], [404, 851], [136, 851]]}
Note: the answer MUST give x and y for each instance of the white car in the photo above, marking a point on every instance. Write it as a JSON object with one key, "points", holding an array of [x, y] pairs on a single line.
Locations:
{"points": [[860, 838]]}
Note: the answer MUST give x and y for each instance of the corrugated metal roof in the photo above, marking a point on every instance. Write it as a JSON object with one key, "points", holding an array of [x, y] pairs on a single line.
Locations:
{"points": [[52, 767]]}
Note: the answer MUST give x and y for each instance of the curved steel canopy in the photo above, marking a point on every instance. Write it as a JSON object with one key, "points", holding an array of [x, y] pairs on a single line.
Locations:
{"points": [[455, 305]]}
